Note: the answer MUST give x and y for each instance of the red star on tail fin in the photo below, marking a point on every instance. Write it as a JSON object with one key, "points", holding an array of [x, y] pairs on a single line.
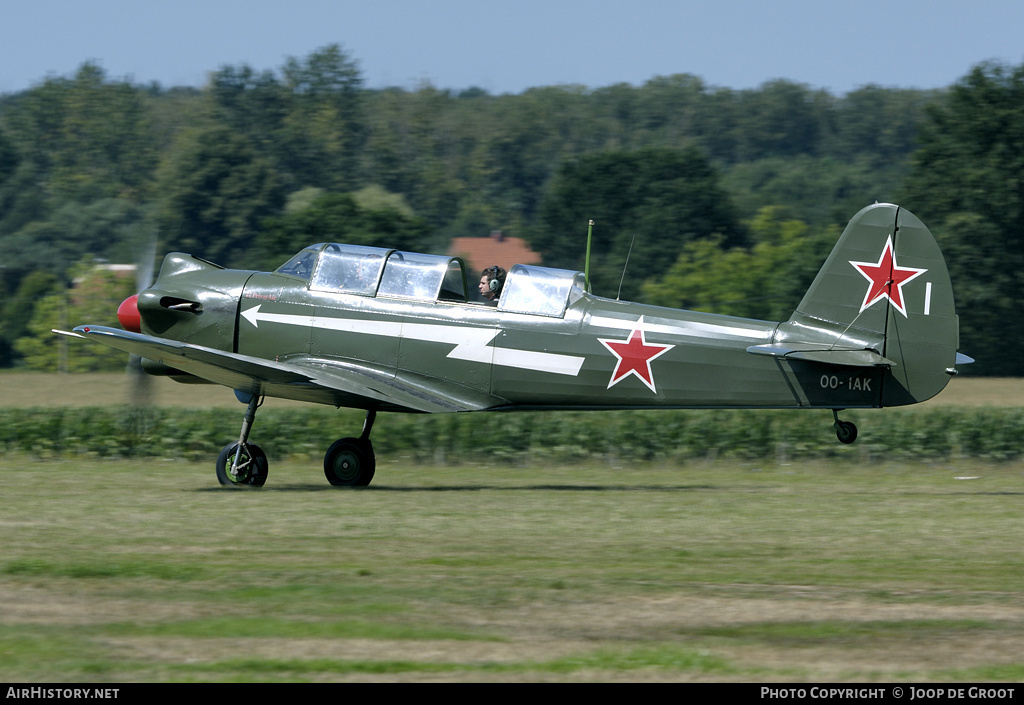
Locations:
{"points": [[886, 279]]}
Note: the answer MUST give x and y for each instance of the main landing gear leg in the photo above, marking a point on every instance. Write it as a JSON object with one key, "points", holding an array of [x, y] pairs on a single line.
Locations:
{"points": [[243, 463], [350, 462], [846, 431]]}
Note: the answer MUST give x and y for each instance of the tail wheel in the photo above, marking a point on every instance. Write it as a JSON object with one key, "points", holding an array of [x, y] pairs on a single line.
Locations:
{"points": [[251, 469], [350, 462]]}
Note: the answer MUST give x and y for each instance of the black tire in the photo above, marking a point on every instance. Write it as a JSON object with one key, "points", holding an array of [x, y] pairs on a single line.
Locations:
{"points": [[350, 462], [846, 432], [254, 466]]}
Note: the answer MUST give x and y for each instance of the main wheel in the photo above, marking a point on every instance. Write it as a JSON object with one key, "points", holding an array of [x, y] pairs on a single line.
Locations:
{"points": [[251, 470], [846, 431], [349, 462]]}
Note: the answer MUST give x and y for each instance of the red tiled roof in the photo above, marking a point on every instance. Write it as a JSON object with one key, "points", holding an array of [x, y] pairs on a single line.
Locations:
{"points": [[483, 252]]}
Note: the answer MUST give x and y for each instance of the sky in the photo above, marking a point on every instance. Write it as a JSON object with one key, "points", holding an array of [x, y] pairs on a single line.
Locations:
{"points": [[508, 46]]}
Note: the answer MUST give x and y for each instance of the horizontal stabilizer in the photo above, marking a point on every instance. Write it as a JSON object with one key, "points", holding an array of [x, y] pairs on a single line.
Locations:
{"points": [[827, 354]]}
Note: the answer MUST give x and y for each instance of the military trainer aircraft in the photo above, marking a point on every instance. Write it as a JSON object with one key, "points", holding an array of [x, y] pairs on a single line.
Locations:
{"points": [[385, 330]]}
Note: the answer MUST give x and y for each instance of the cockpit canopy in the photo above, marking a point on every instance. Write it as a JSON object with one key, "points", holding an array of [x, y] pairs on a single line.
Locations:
{"points": [[376, 271], [541, 290], [361, 270]]}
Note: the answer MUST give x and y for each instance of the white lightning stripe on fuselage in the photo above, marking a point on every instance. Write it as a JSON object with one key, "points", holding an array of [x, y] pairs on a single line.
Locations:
{"points": [[471, 344], [538, 361]]}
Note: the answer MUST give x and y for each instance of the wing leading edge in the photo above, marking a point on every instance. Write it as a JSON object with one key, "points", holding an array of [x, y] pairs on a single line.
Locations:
{"points": [[304, 379]]}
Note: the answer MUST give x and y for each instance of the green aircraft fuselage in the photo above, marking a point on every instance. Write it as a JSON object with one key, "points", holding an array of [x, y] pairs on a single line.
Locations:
{"points": [[598, 354]]}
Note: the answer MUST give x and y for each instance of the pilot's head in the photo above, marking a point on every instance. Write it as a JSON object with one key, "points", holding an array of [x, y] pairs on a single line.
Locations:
{"points": [[491, 281]]}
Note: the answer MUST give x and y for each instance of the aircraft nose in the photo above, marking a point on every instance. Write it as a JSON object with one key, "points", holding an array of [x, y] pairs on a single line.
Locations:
{"points": [[128, 314]]}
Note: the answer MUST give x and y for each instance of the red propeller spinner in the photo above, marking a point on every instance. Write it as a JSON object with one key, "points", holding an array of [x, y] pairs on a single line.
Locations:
{"points": [[128, 314]]}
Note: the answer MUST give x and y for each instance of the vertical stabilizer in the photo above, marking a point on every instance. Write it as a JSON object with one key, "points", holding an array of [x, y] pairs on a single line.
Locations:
{"points": [[884, 288]]}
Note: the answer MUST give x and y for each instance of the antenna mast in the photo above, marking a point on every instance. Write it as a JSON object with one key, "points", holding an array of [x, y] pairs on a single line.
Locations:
{"points": [[586, 264], [625, 264]]}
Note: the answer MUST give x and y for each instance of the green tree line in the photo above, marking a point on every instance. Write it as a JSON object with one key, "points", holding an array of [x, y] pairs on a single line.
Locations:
{"points": [[724, 200]]}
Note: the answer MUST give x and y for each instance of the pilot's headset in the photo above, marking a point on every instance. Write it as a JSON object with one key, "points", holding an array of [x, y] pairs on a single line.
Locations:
{"points": [[493, 283]]}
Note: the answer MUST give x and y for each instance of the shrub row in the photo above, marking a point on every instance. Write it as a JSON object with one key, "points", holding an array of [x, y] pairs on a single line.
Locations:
{"points": [[533, 437]]}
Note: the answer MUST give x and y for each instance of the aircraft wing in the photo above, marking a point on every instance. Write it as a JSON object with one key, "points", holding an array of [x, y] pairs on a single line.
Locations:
{"points": [[304, 379]]}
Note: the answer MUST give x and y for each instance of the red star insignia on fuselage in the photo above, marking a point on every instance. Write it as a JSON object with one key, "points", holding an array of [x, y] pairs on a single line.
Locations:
{"points": [[886, 279], [634, 356]]}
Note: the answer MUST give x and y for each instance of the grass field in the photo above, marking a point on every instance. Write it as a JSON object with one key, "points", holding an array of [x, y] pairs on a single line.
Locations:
{"points": [[146, 570], [123, 571]]}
